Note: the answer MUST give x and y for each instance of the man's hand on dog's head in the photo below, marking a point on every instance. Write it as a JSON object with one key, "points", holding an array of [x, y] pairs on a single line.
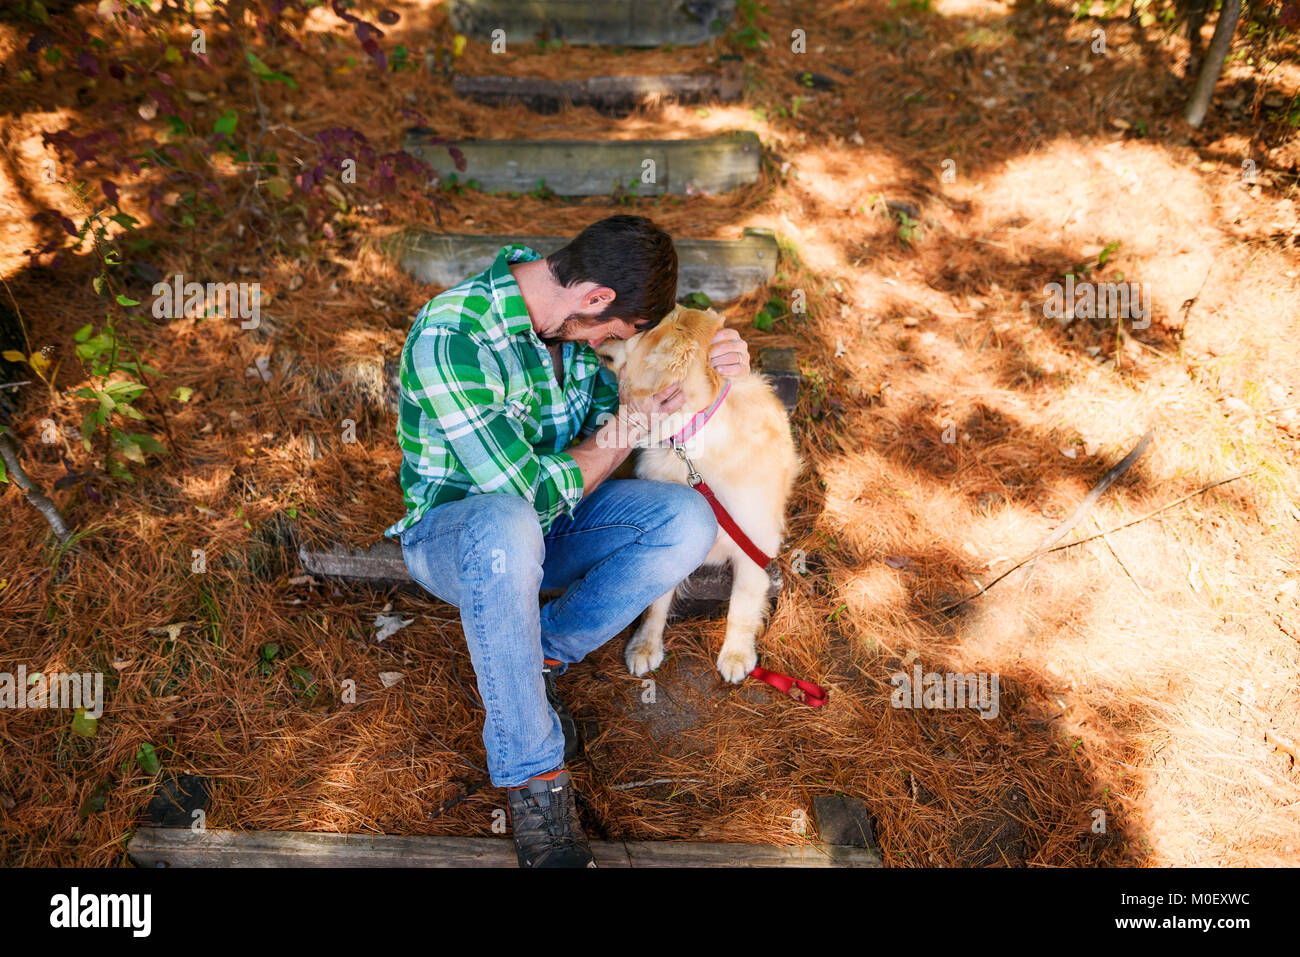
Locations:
{"points": [[640, 413], [728, 353], [664, 402]]}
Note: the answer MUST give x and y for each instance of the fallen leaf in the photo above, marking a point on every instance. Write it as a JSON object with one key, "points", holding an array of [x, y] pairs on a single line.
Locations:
{"points": [[390, 625], [261, 370], [84, 725]]}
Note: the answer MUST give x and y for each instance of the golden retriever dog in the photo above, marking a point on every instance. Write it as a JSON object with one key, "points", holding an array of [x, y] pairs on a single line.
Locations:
{"points": [[744, 452]]}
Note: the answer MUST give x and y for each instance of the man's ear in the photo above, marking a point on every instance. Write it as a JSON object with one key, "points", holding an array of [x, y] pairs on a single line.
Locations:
{"points": [[598, 297]]}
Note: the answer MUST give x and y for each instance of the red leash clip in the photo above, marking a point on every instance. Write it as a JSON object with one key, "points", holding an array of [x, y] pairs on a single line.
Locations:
{"points": [[804, 692]]}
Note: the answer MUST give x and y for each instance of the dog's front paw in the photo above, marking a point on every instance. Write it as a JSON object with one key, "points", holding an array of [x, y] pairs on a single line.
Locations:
{"points": [[643, 656], [735, 665]]}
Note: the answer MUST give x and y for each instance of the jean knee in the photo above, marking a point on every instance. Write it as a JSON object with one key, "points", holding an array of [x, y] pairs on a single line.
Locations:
{"points": [[691, 522], [503, 535]]}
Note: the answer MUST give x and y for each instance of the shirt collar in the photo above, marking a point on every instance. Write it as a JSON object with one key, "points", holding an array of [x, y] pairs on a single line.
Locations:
{"points": [[507, 301]]}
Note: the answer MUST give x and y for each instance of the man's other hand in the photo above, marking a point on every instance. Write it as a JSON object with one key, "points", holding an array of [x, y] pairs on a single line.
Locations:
{"points": [[728, 353]]}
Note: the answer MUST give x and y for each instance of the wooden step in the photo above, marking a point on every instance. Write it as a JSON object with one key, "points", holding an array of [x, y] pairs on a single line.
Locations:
{"points": [[382, 566], [183, 847], [721, 269], [608, 94], [715, 164], [706, 592], [629, 23], [782, 370]]}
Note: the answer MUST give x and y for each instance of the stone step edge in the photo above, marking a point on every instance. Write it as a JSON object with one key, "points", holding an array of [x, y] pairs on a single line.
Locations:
{"points": [[722, 269], [603, 93], [594, 167]]}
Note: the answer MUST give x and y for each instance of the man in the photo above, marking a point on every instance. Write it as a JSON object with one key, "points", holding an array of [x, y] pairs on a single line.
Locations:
{"points": [[509, 428]]}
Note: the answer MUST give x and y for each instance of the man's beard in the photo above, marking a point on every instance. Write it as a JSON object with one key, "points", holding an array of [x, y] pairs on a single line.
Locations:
{"points": [[569, 329]]}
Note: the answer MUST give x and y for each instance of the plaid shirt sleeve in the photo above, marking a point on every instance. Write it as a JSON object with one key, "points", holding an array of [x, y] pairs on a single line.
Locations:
{"points": [[455, 380], [604, 402]]}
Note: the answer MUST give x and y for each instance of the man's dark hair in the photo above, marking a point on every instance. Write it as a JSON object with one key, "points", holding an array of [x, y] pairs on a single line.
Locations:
{"points": [[630, 255]]}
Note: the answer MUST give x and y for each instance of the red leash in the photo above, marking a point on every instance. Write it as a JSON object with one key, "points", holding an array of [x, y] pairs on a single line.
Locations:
{"points": [[804, 692], [726, 521]]}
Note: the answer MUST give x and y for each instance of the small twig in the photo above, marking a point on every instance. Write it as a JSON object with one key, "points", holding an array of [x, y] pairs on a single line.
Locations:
{"points": [[646, 784], [1056, 548], [282, 126], [37, 499], [1189, 304], [1289, 632], [1119, 561], [470, 790], [1091, 498]]}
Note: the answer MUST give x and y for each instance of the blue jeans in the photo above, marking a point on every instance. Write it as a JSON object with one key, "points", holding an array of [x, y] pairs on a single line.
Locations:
{"points": [[628, 543]]}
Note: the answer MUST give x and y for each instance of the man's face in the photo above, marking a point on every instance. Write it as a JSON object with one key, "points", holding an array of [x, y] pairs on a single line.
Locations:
{"points": [[586, 304], [579, 328]]}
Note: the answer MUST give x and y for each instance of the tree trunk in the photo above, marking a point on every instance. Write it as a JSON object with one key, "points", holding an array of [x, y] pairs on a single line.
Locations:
{"points": [[1196, 11], [1199, 102]]}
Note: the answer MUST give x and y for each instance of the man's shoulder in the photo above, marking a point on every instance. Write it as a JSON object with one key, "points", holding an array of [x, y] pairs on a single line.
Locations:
{"points": [[462, 308], [451, 336]]}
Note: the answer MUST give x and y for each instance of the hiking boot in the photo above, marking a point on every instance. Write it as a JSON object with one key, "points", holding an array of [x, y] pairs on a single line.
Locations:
{"points": [[567, 724], [544, 822]]}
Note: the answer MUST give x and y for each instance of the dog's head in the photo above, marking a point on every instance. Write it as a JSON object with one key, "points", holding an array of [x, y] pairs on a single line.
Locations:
{"points": [[676, 350], [613, 354]]}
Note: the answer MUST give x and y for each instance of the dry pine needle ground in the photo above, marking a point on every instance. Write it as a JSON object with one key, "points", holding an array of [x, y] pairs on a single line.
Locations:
{"points": [[1147, 675]]}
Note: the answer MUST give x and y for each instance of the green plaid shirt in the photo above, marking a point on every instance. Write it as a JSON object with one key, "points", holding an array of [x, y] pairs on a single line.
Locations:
{"points": [[479, 409]]}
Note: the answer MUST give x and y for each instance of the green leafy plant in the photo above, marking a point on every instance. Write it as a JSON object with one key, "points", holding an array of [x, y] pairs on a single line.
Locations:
{"points": [[266, 659], [1084, 269], [266, 73], [147, 758], [401, 60], [626, 195], [117, 373], [774, 309], [908, 227], [83, 725], [304, 682], [748, 34]]}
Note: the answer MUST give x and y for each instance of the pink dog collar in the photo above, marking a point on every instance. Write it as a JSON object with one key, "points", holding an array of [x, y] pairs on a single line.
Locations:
{"points": [[699, 419]]}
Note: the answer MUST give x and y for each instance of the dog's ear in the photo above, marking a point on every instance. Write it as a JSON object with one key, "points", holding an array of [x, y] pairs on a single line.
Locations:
{"points": [[671, 351]]}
